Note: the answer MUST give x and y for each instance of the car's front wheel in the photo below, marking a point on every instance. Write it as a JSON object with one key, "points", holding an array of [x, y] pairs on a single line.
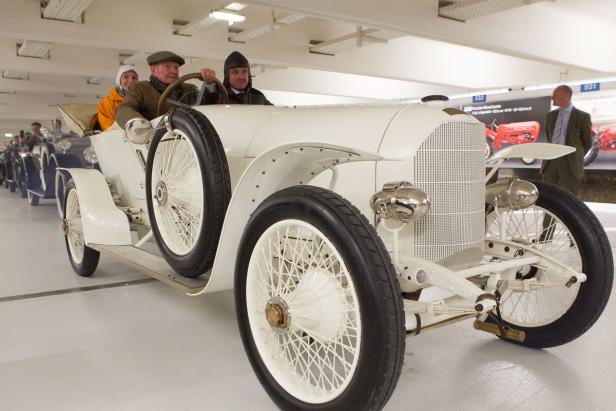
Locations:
{"points": [[561, 226], [318, 303]]}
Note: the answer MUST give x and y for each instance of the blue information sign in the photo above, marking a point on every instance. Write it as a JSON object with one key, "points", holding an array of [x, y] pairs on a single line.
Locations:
{"points": [[481, 98], [590, 87]]}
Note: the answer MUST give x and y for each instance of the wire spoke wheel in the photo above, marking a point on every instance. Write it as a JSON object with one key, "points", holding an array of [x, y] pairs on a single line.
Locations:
{"points": [[303, 311], [74, 229], [188, 188], [319, 307], [549, 235], [563, 228], [178, 197], [84, 259]]}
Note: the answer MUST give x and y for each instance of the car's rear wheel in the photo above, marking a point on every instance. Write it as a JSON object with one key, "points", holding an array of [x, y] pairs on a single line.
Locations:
{"points": [[318, 303], [188, 190], [562, 227], [84, 259]]}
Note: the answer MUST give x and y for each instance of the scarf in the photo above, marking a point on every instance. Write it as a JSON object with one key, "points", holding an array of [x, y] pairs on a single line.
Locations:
{"points": [[160, 87]]}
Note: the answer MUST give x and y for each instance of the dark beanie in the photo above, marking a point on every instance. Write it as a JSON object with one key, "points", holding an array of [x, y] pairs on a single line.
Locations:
{"points": [[234, 60]]}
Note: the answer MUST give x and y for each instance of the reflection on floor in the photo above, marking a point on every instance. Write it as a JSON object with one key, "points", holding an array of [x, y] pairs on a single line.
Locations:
{"points": [[146, 346]]}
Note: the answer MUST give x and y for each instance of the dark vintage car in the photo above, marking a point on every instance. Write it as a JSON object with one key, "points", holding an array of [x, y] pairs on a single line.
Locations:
{"points": [[9, 166], [57, 150]]}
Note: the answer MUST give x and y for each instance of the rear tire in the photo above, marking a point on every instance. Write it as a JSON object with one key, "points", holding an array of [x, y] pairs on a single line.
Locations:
{"points": [[308, 257], [84, 260], [188, 190], [572, 235]]}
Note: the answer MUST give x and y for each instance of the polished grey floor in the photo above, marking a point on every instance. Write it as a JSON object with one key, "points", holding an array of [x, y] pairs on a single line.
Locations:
{"points": [[146, 346]]}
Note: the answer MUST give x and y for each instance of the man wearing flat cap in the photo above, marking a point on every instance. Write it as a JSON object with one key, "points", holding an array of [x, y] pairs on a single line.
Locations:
{"points": [[238, 82], [142, 98]]}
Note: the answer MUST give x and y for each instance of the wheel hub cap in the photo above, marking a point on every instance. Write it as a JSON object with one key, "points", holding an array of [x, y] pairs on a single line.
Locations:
{"points": [[161, 193], [325, 318], [277, 314]]}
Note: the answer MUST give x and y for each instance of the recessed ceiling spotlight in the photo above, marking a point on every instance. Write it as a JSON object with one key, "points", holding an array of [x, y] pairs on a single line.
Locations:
{"points": [[235, 6]]}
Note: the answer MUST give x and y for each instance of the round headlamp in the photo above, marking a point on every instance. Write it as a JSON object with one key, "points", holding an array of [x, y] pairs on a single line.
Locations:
{"points": [[400, 201], [90, 155], [64, 144]]}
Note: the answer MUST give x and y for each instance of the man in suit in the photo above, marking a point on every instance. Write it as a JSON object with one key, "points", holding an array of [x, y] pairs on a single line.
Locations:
{"points": [[572, 127]]}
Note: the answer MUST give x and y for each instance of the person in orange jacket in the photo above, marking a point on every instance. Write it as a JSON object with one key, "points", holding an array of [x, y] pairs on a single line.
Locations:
{"points": [[126, 77]]}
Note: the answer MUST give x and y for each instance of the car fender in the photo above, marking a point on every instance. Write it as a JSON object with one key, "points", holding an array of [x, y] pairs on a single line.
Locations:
{"points": [[103, 223], [539, 151], [277, 168]]}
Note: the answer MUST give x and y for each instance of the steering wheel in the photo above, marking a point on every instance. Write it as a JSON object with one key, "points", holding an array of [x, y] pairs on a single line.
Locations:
{"points": [[222, 91]]}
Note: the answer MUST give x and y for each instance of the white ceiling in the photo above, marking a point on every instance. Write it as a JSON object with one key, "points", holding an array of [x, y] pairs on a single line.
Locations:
{"points": [[545, 42]]}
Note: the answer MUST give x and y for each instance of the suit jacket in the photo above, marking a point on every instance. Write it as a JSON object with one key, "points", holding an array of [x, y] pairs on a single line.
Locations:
{"points": [[577, 135]]}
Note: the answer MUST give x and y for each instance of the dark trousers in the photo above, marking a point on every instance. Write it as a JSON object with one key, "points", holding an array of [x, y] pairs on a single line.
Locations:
{"points": [[557, 171]]}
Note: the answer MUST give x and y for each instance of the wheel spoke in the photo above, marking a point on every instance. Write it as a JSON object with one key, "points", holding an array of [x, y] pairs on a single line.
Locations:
{"points": [[316, 356], [550, 235]]}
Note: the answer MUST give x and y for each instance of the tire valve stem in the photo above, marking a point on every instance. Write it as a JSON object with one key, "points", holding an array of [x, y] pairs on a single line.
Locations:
{"points": [[571, 281]]}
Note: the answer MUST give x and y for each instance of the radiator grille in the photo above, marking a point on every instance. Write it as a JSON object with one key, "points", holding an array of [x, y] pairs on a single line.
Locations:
{"points": [[450, 167]]}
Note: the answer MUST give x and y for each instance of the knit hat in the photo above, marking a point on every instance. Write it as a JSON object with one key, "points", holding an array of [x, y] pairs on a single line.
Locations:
{"points": [[234, 60], [122, 70]]}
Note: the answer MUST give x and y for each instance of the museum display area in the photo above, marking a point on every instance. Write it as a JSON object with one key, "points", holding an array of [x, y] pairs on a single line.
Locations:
{"points": [[307, 205]]}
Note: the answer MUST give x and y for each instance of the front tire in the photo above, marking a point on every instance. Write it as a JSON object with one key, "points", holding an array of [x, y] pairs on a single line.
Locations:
{"points": [[188, 189], [318, 303], [84, 260], [560, 225]]}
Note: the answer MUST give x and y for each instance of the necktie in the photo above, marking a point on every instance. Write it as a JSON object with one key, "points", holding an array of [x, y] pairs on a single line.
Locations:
{"points": [[556, 136]]}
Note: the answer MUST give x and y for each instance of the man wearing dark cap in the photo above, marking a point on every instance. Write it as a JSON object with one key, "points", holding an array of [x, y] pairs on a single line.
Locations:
{"points": [[238, 82], [142, 97]]}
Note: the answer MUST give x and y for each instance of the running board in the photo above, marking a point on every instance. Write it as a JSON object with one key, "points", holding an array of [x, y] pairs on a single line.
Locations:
{"points": [[153, 265]]}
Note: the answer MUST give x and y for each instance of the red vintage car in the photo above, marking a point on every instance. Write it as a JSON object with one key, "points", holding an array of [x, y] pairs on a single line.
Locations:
{"points": [[607, 139], [512, 133]]}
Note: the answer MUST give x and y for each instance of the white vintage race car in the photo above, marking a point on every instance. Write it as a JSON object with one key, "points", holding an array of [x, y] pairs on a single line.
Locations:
{"points": [[349, 229]]}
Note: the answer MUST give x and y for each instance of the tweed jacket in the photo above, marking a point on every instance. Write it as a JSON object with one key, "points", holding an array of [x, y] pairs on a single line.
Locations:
{"points": [[142, 98]]}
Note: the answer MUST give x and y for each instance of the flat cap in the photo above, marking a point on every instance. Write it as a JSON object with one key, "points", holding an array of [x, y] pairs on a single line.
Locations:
{"points": [[161, 56]]}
